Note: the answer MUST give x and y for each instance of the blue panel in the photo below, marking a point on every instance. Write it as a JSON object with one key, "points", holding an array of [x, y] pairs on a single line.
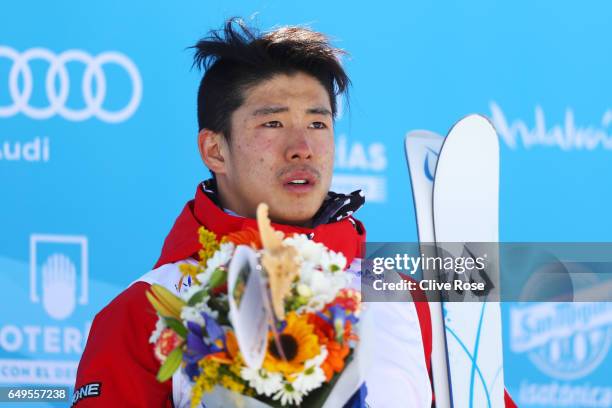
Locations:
{"points": [[98, 153]]}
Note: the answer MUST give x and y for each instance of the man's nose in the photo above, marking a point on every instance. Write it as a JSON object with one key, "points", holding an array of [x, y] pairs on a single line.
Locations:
{"points": [[299, 147]]}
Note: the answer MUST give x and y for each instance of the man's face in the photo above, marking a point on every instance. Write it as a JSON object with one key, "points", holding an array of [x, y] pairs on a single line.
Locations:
{"points": [[281, 150]]}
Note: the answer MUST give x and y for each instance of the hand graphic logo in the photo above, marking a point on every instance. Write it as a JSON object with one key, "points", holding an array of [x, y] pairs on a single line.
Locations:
{"points": [[59, 286]]}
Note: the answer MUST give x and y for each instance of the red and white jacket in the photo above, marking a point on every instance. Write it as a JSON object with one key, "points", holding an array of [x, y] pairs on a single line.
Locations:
{"points": [[118, 367]]}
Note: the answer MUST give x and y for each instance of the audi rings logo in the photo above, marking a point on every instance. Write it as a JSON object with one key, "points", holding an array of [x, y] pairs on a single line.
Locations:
{"points": [[57, 97]]}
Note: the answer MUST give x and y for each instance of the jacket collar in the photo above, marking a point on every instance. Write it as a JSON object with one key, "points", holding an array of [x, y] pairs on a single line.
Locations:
{"points": [[345, 234]]}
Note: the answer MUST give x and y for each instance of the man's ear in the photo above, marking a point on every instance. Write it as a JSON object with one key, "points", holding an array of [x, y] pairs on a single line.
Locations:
{"points": [[213, 150]]}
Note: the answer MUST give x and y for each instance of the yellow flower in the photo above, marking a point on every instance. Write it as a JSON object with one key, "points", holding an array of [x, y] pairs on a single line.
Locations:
{"points": [[236, 366], [205, 381], [165, 302], [208, 240], [231, 384], [299, 343], [209, 368], [189, 270]]}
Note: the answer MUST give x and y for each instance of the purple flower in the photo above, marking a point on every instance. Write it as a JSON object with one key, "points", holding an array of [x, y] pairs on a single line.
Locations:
{"points": [[198, 346], [338, 319]]}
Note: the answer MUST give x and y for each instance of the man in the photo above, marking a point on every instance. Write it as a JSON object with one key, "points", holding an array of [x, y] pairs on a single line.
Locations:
{"points": [[266, 107]]}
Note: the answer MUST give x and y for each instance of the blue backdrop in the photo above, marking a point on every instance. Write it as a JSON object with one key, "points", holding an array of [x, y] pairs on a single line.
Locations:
{"points": [[98, 152]]}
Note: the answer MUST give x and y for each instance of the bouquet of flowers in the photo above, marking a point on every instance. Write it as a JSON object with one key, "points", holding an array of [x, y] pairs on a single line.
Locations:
{"points": [[261, 319]]}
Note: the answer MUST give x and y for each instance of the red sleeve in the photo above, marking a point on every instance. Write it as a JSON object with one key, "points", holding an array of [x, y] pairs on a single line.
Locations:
{"points": [[508, 400], [423, 314], [118, 367]]}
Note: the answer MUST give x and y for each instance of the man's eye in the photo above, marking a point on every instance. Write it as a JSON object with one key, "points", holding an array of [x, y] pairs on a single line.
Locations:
{"points": [[273, 124], [318, 125]]}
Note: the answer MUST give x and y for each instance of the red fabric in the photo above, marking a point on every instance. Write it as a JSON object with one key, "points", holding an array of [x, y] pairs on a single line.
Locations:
{"points": [[508, 402], [182, 242], [118, 355], [422, 309]]}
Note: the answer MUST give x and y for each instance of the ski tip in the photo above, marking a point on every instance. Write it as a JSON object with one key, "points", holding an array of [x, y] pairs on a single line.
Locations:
{"points": [[477, 126], [475, 120], [420, 136]]}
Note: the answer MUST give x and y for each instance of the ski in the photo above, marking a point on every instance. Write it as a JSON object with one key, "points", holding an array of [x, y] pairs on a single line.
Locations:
{"points": [[422, 149], [466, 213]]}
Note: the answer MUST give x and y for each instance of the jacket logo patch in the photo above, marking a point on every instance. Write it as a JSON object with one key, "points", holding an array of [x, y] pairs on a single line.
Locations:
{"points": [[86, 391]]}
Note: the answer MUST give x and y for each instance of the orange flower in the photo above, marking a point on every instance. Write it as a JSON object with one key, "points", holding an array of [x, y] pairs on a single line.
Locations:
{"points": [[325, 331], [247, 236], [334, 363], [322, 329], [336, 352], [349, 299], [231, 343], [220, 357], [228, 355]]}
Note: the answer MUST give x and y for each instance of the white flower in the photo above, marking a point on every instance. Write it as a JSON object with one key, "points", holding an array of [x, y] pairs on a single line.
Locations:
{"points": [[306, 271], [212, 313], [288, 395], [194, 313], [324, 287], [309, 251], [315, 304], [317, 360], [333, 261], [220, 258], [328, 284], [321, 284], [304, 290], [322, 273], [313, 375], [191, 314], [264, 382], [340, 280], [159, 327], [309, 379]]}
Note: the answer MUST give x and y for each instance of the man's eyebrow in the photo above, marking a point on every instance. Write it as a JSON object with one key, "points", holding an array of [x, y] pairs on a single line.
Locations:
{"points": [[319, 110], [267, 110]]}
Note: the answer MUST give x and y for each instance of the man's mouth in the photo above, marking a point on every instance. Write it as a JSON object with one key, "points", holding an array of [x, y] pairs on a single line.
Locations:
{"points": [[299, 181]]}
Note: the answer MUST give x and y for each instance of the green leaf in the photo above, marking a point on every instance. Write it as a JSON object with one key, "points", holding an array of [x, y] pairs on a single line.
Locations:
{"points": [[334, 268], [223, 308], [172, 363], [197, 297], [177, 326], [218, 277]]}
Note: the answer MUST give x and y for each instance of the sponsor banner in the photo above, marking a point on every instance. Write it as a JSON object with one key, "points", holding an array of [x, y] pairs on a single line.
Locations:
{"points": [[98, 155], [563, 351], [38, 371], [93, 85], [44, 329]]}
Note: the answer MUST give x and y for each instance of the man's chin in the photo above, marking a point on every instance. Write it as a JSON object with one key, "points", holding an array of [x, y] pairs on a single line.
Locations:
{"points": [[295, 209], [297, 218]]}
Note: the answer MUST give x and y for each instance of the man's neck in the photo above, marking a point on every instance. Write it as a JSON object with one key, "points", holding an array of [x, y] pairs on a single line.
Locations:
{"points": [[250, 213], [335, 207]]}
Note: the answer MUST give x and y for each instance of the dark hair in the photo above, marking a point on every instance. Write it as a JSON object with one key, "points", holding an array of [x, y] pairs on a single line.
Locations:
{"points": [[237, 58]]}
